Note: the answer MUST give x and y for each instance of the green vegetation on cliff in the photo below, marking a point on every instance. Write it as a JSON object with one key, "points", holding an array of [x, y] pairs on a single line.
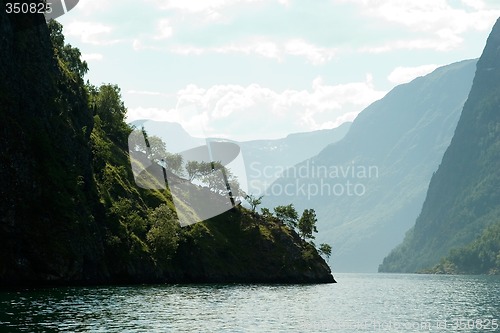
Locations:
{"points": [[71, 211], [480, 257], [463, 199]]}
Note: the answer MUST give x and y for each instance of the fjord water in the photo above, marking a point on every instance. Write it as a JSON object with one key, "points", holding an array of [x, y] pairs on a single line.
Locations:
{"points": [[358, 303]]}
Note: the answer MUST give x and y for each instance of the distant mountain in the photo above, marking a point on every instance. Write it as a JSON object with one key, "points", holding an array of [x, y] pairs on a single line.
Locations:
{"points": [[264, 160], [368, 188], [173, 134], [462, 207]]}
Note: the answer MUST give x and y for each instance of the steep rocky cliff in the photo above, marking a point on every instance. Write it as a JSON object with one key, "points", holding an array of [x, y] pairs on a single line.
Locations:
{"points": [[463, 198], [70, 210], [48, 197]]}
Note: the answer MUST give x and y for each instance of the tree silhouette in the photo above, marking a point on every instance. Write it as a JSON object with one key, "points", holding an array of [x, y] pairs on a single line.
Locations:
{"points": [[253, 201], [287, 215], [326, 250], [307, 224]]}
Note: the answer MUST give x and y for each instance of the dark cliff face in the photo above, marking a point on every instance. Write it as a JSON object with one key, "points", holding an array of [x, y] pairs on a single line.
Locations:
{"points": [[463, 197], [58, 220], [240, 246], [47, 229]]}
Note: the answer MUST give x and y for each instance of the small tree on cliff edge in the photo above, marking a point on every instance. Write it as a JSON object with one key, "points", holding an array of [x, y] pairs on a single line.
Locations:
{"points": [[288, 215], [326, 250], [253, 201], [307, 224]]}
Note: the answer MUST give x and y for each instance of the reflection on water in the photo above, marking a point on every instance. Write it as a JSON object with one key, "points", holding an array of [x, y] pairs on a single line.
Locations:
{"points": [[359, 302]]}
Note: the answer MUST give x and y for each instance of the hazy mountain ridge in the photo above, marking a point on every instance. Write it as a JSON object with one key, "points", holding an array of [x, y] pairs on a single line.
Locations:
{"points": [[404, 136], [264, 159], [284, 153], [463, 198]]}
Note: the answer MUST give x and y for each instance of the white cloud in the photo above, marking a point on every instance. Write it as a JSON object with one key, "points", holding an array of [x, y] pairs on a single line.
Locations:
{"points": [[92, 6], [443, 23], [252, 46], [256, 112], [476, 4], [165, 30], [267, 50], [145, 43], [194, 122], [402, 75], [437, 44], [187, 50], [137, 45], [209, 11], [92, 56], [204, 5], [90, 32], [315, 55]]}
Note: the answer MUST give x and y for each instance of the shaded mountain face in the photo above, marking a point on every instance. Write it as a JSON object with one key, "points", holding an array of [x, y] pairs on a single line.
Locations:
{"points": [[45, 161], [368, 188], [464, 194], [263, 160]]}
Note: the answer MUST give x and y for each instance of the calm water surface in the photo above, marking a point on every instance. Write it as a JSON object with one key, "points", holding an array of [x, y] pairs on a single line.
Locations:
{"points": [[358, 303]]}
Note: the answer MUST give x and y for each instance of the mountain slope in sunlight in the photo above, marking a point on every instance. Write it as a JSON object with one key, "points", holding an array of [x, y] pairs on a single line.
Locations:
{"points": [[369, 187]]}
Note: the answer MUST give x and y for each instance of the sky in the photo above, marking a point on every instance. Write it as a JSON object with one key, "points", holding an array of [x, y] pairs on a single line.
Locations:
{"points": [[262, 69]]}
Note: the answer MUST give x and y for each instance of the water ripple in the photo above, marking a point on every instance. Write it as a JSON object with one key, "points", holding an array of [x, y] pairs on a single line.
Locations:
{"points": [[358, 303]]}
